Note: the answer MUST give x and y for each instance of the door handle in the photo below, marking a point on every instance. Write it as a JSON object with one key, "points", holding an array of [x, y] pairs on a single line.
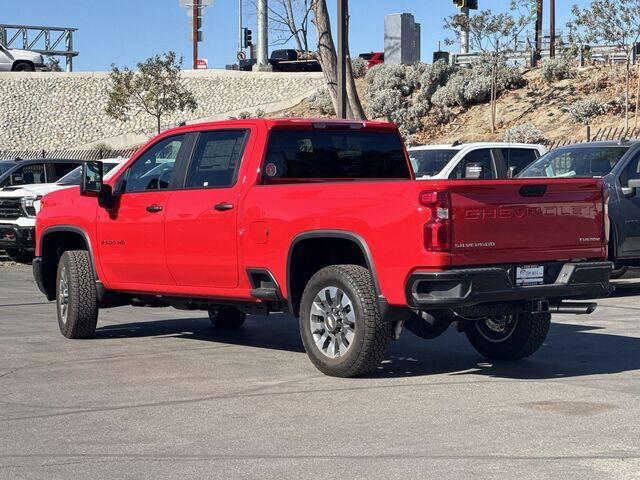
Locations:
{"points": [[154, 208], [223, 207]]}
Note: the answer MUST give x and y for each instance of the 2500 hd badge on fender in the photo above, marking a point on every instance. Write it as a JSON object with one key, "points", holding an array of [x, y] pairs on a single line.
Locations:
{"points": [[321, 219]]}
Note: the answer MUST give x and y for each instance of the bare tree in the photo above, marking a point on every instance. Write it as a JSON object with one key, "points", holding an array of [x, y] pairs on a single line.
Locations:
{"points": [[494, 36], [289, 21], [329, 60], [612, 22]]}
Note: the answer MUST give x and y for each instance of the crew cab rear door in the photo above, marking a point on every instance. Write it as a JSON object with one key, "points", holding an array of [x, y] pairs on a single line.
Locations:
{"points": [[201, 224], [528, 220]]}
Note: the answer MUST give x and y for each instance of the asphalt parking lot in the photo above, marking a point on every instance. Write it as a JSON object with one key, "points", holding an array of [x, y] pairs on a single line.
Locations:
{"points": [[160, 394]]}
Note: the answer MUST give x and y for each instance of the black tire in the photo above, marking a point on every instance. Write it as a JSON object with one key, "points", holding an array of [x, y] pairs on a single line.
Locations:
{"points": [[370, 333], [23, 67], [227, 318], [523, 337], [20, 256], [81, 302], [619, 273]]}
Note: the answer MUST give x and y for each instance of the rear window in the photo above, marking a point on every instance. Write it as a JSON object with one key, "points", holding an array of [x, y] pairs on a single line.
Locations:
{"points": [[519, 158], [332, 154], [585, 162], [427, 163]]}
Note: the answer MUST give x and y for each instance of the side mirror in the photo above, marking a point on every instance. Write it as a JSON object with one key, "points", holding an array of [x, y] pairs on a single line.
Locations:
{"points": [[473, 171], [513, 171], [631, 188], [91, 179]]}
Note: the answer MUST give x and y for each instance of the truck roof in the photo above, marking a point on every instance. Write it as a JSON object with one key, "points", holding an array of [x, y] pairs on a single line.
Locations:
{"points": [[460, 146], [271, 123]]}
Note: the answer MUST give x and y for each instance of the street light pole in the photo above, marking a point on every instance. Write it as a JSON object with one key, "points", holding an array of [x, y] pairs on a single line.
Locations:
{"points": [[464, 34], [240, 32], [342, 57]]}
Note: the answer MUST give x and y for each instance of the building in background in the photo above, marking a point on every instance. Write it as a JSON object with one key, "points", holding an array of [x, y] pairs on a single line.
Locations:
{"points": [[402, 44]]}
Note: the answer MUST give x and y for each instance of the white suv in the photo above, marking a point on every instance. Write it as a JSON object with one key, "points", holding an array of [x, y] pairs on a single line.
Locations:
{"points": [[473, 160], [20, 204], [14, 60]]}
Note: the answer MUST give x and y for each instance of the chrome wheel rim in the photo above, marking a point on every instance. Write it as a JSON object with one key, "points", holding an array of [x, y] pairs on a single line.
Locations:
{"points": [[63, 295], [497, 329], [333, 322]]}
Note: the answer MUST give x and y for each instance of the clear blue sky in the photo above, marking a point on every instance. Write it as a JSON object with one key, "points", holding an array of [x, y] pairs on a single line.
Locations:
{"points": [[126, 31]]}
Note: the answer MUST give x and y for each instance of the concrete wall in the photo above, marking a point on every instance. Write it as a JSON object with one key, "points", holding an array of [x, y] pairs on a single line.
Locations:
{"points": [[66, 110]]}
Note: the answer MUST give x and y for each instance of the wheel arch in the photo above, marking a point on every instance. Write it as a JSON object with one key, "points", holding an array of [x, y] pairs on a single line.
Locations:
{"points": [[350, 244], [18, 62], [53, 243]]}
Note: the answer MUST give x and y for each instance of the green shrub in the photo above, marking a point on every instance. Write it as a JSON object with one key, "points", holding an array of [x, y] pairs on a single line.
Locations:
{"points": [[524, 134], [556, 69]]}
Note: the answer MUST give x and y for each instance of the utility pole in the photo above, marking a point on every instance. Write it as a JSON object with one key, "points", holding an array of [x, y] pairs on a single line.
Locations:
{"points": [[342, 57], [539, 27], [196, 19], [263, 64], [552, 33], [240, 30]]}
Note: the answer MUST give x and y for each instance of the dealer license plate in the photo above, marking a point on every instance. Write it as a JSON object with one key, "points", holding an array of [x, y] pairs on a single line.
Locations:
{"points": [[529, 275]]}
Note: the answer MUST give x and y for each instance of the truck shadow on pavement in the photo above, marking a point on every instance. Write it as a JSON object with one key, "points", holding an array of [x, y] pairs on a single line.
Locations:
{"points": [[571, 350]]}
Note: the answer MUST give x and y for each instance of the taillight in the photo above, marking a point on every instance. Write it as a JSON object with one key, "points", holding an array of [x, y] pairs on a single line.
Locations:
{"points": [[437, 231]]}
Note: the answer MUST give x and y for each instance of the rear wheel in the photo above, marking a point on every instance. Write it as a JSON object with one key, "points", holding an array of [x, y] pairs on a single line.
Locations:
{"points": [[340, 323], [227, 318], [509, 337], [20, 256], [76, 297]]}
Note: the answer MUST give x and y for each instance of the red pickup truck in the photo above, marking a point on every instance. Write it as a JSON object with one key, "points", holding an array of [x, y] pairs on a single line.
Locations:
{"points": [[324, 220]]}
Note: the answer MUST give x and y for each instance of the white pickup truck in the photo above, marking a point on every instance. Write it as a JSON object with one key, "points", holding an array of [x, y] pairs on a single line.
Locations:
{"points": [[473, 160], [20, 204], [14, 60]]}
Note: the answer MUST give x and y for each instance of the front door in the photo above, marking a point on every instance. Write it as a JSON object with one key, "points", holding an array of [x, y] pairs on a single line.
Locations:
{"points": [[131, 234], [628, 219], [202, 219]]}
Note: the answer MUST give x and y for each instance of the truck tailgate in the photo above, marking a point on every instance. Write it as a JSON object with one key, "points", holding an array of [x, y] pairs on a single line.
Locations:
{"points": [[527, 220]]}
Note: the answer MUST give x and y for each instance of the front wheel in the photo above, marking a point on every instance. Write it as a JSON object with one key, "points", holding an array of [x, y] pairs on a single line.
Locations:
{"points": [[340, 323], [76, 296], [509, 337], [19, 256]]}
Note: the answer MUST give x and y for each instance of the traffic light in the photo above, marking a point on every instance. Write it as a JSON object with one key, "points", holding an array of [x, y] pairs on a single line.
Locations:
{"points": [[248, 38], [470, 4]]}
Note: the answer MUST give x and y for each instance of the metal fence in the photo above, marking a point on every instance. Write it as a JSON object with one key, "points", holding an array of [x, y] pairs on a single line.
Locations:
{"points": [[600, 135], [86, 154]]}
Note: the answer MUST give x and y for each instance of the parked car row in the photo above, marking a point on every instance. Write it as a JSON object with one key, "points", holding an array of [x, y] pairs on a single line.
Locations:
{"points": [[326, 220], [24, 183]]}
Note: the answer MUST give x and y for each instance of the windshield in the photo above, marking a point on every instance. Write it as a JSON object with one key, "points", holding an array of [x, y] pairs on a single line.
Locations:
{"points": [[4, 167], [585, 162], [73, 177], [427, 163]]}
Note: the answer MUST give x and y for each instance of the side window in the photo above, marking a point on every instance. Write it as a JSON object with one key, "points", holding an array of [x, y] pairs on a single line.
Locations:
{"points": [[216, 159], [481, 157], [632, 171], [154, 169], [62, 168], [33, 173], [519, 158]]}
